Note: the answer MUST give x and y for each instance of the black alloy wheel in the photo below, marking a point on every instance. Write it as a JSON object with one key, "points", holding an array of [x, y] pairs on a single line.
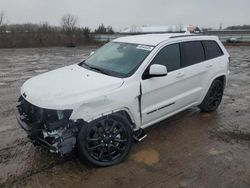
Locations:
{"points": [[106, 141], [213, 97]]}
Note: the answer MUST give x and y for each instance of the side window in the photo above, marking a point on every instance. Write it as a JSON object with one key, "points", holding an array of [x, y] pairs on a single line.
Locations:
{"points": [[169, 56], [212, 49], [192, 53]]}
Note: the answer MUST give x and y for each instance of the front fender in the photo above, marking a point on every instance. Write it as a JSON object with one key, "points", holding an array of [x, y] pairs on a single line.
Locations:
{"points": [[109, 104]]}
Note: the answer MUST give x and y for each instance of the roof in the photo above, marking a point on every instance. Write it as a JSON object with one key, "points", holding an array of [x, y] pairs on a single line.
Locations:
{"points": [[150, 39]]}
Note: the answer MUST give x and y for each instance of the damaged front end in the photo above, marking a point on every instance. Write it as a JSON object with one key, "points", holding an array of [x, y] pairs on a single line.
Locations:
{"points": [[51, 129]]}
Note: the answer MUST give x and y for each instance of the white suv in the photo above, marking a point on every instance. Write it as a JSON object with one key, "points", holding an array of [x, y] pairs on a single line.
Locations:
{"points": [[101, 104]]}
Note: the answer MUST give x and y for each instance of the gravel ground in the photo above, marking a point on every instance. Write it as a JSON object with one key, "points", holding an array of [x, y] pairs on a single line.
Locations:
{"points": [[191, 149]]}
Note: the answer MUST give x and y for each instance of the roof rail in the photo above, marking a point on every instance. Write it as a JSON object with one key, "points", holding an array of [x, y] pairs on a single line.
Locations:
{"points": [[179, 36]]}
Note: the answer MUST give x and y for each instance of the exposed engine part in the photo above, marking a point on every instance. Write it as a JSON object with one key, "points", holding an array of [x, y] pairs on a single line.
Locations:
{"points": [[51, 129], [65, 141]]}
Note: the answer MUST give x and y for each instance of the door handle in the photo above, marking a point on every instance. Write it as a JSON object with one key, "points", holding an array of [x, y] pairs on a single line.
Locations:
{"points": [[180, 75], [209, 66]]}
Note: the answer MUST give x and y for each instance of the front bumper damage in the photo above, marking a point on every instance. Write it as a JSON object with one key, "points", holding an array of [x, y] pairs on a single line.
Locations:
{"points": [[48, 128]]}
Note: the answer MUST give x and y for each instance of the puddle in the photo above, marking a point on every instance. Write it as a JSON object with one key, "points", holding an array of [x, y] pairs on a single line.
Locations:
{"points": [[205, 115], [226, 97], [229, 158], [149, 157], [187, 180], [9, 79], [41, 70], [247, 96], [214, 151], [235, 85]]}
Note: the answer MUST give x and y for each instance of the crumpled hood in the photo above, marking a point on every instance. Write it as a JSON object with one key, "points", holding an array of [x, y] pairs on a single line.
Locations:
{"points": [[67, 87]]}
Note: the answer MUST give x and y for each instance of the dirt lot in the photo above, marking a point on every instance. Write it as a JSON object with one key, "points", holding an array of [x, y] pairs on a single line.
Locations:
{"points": [[191, 149]]}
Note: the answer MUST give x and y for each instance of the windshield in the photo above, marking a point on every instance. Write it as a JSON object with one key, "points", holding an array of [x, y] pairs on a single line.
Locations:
{"points": [[117, 59]]}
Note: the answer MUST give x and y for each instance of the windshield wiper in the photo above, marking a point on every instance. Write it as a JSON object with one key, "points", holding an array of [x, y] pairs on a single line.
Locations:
{"points": [[95, 68], [99, 70], [85, 65]]}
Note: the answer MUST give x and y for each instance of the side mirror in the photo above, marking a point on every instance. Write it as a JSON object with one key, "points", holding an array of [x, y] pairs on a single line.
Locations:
{"points": [[157, 70]]}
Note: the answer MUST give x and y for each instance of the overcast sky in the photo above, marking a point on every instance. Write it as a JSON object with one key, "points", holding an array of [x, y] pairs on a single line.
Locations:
{"points": [[124, 13]]}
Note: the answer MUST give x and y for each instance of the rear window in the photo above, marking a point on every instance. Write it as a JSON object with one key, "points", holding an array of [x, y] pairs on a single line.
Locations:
{"points": [[212, 49], [192, 53]]}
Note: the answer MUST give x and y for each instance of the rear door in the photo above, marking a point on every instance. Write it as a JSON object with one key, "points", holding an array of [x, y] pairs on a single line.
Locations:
{"points": [[215, 62], [195, 70]]}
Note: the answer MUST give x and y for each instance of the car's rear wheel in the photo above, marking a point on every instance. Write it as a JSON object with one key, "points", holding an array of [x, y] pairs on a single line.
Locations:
{"points": [[106, 141], [213, 97]]}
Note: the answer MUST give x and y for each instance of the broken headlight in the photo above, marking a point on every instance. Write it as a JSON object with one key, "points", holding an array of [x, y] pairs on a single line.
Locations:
{"points": [[64, 114]]}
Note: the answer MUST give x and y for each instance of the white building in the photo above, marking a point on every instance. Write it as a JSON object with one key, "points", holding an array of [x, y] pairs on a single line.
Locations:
{"points": [[161, 29]]}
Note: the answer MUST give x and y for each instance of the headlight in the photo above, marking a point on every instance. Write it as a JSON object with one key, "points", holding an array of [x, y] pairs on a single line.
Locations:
{"points": [[64, 114]]}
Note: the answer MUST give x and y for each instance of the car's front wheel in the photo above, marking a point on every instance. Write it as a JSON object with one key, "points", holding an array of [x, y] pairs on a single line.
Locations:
{"points": [[105, 141]]}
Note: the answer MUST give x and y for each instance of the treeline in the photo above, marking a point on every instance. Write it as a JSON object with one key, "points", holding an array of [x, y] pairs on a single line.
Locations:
{"points": [[45, 35], [39, 35], [238, 27]]}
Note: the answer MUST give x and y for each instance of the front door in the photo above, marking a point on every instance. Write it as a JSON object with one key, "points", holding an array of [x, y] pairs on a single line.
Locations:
{"points": [[160, 94]]}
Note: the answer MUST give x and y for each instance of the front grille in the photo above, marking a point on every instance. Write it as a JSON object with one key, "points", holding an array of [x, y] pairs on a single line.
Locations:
{"points": [[32, 114]]}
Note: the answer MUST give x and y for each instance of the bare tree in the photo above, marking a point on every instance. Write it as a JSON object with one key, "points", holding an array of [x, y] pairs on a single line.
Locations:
{"points": [[3, 22], [69, 22], [69, 26]]}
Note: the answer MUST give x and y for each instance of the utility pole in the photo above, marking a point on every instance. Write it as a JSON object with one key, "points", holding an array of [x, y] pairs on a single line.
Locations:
{"points": [[220, 28]]}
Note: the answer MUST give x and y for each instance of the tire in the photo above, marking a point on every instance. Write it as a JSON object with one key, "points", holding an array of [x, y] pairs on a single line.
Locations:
{"points": [[213, 97], [105, 141]]}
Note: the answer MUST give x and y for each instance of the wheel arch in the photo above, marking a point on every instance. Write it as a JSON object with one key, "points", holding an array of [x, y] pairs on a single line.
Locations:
{"points": [[221, 77], [121, 111]]}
